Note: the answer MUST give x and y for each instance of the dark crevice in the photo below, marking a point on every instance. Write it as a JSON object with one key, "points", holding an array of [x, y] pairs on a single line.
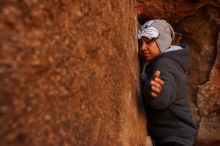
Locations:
{"points": [[144, 18], [202, 13]]}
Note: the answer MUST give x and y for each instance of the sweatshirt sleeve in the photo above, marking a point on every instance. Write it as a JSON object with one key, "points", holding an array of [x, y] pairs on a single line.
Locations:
{"points": [[169, 74]]}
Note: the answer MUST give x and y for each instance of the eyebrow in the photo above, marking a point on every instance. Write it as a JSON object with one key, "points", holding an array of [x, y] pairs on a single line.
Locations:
{"points": [[146, 39]]}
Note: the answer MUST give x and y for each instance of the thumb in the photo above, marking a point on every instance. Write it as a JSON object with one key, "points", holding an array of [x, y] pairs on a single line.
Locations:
{"points": [[156, 74]]}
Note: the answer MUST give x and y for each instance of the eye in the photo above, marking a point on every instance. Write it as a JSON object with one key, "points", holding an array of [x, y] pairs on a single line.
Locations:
{"points": [[147, 41], [140, 42]]}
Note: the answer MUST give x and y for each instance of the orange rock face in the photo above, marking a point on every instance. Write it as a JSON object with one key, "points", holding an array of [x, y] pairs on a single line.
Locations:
{"points": [[171, 10], [196, 24], [69, 71], [69, 74]]}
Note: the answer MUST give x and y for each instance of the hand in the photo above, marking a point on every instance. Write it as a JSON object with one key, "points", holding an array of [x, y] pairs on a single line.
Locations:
{"points": [[156, 85]]}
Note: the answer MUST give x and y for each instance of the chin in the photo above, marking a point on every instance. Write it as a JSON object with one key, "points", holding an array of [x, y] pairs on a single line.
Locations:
{"points": [[147, 59]]}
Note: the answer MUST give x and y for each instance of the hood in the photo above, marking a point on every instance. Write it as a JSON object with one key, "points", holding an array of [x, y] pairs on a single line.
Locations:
{"points": [[179, 53]]}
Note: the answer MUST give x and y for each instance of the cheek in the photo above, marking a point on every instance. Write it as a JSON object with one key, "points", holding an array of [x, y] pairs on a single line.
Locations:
{"points": [[155, 48]]}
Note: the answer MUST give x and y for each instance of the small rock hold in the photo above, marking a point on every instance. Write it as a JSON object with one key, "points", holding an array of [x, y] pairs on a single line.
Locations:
{"points": [[36, 62], [47, 117], [29, 109]]}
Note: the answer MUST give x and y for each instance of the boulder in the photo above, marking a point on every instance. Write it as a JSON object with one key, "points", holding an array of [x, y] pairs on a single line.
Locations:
{"points": [[69, 74]]}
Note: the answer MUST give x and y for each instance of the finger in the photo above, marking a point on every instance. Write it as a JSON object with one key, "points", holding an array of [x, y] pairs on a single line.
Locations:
{"points": [[159, 81], [157, 85], [155, 89], [153, 94], [152, 82], [156, 74]]}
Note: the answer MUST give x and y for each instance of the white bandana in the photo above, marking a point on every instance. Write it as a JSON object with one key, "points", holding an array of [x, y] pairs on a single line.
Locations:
{"points": [[149, 32]]}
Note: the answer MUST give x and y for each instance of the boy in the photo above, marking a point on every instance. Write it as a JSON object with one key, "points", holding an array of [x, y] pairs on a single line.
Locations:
{"points": [[165, 85]]}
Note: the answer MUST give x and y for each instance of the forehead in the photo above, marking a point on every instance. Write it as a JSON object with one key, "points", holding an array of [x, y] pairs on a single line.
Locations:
{"points": [[147, 40]]}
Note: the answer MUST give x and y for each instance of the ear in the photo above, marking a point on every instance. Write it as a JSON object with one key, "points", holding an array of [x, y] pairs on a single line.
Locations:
{"points": [[147, 24], [172, 32]]}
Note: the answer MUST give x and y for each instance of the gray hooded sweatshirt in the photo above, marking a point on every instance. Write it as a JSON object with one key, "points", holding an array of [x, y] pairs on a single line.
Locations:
{"points": [[169, 116]]}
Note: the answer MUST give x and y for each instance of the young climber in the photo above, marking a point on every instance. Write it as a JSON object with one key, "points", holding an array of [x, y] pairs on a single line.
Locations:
{"points": [[164, 79]]}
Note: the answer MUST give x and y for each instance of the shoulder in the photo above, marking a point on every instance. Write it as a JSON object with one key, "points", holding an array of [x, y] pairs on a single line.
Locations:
{"points": [[165, 63]]}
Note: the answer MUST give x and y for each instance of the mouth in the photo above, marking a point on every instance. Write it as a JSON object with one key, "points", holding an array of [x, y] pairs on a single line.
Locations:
{"points": [[145, 54]]}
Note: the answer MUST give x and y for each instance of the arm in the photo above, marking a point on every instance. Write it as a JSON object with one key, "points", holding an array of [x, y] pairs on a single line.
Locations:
{"points": [[161, 90]]}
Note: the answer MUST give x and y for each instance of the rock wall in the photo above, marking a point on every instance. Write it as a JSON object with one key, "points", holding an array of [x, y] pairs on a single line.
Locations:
{"points": [[197, 23], [69, 74]]}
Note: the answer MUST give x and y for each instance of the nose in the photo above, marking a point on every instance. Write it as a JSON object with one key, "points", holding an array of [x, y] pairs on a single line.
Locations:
{"points": [[144, 46]]}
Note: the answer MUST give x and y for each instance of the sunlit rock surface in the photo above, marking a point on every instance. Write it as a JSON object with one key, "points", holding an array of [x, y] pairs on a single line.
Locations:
{"points": [[69, 74]]}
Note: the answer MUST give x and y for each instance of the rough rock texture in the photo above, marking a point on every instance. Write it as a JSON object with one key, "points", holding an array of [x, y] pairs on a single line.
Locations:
{"points": [[209, 106], [171, 10], [69, 74], [202, 36], [197, 24]]}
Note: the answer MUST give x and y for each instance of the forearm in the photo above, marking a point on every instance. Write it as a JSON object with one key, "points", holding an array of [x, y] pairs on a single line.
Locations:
{"points": [[162, 101]]}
